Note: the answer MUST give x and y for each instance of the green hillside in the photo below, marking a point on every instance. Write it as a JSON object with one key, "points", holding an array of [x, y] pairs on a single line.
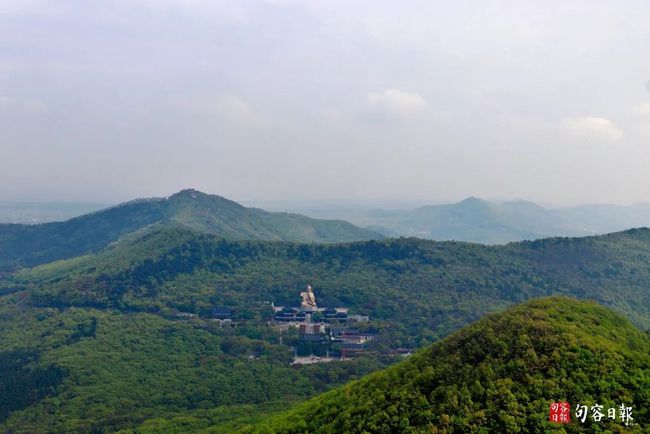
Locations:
{"points": [[97, 344], [90, 371], [498, 375], [30, 245], [424, 289]]}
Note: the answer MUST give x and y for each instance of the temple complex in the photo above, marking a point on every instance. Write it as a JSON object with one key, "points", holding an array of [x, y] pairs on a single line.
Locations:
{"points": [[323, 331], [309, 311]]}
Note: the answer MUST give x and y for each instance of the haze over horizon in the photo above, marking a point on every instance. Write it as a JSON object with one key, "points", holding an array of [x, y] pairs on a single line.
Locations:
{"points": [[281, 99]]}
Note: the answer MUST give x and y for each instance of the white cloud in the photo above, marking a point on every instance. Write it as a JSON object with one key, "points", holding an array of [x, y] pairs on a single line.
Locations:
{"points": [[643, 109], [594, 128], [236, 109], [395, 103]]}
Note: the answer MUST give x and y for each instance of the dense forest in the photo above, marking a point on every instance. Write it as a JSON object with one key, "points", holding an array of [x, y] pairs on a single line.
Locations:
{"points": [[98, 344], [87, 370], [424, 289], [497, 375]]}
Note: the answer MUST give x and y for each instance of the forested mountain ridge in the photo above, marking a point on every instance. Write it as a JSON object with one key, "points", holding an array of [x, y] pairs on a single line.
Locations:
{"points": [[498, 375], [421, 286], [30, 245]]}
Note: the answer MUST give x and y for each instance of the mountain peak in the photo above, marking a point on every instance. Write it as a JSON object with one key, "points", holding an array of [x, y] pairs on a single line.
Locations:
{"points": [[472, 202], [210, 202], [188, 192], [472, 199]]}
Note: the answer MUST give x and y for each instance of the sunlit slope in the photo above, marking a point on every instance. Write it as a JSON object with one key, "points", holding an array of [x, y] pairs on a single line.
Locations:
{"points": [[497, 375]]}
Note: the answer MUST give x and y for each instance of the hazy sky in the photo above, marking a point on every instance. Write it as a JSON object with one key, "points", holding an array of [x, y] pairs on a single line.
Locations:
{"points": [[427, 100]]}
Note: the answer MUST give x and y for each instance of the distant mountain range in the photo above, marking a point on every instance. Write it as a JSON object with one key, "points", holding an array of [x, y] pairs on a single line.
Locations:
{"points": [[481, 221], [473, 220], [29, 245]]}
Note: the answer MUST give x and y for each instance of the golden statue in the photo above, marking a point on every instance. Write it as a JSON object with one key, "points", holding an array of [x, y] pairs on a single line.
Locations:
{"points": [[308, 298]]}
